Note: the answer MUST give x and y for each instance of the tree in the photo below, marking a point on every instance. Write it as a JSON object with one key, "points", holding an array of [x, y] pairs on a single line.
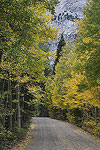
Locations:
{"points": [[24, 26], [89, 41], [61, 44], [76, 83]]}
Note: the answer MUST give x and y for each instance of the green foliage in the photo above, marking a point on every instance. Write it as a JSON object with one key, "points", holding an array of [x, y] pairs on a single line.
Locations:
{"points": [[74, 117], [57, 113], [5, 137], [88, 44], [92, 127], [19, 134], [76, 83], [61, 44], [24, 33]]}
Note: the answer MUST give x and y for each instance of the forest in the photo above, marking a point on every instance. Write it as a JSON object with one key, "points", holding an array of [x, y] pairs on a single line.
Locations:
{"points": [[30, 86]]}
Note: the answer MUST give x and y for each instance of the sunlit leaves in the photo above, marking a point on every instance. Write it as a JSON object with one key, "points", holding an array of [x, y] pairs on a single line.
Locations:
{"points": [[76, 83]]}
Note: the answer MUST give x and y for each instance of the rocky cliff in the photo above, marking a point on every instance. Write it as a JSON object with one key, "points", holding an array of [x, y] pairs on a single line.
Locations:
{"points": [[65, 14]]}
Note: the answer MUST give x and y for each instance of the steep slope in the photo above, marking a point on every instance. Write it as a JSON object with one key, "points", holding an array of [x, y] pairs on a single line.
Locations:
{"points": [[65, 14]]}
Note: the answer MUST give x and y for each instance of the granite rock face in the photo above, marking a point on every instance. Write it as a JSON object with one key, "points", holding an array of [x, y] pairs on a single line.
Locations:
{"points": [[65, 14]]}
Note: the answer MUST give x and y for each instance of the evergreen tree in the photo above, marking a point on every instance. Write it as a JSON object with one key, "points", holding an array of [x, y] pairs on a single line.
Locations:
{"points": [[61, 44]]}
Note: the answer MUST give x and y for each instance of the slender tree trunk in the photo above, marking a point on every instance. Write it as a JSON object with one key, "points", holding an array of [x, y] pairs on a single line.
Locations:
{"points": [[95, 114], [10, 105], [23, 115], [2, 99], [18, 107], [82, 116], [99, 113], [2, 90]]}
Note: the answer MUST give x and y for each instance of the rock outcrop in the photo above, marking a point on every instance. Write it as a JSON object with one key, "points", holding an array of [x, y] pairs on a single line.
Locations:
{"points": [[65, 14]]}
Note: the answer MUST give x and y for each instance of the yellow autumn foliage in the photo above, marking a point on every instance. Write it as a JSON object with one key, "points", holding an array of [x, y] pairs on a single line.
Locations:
{"points": [[87, 40]]}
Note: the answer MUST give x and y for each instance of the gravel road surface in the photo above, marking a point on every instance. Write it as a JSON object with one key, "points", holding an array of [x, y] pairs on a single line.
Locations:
{"points": [[51, 134]]}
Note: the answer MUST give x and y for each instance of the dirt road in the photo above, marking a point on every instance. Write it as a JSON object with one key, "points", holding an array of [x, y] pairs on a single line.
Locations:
{"points": [[51, 134]]}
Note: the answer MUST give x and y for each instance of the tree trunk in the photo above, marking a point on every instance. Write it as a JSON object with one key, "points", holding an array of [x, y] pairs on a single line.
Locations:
{"points": [[18, 107], [2, 93], [95, 114], [10, 105], [2, 101], [99, 113]]}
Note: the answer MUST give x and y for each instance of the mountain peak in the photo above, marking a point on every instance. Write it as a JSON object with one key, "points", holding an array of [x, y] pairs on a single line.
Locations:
{"points": [[65, 13]]}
